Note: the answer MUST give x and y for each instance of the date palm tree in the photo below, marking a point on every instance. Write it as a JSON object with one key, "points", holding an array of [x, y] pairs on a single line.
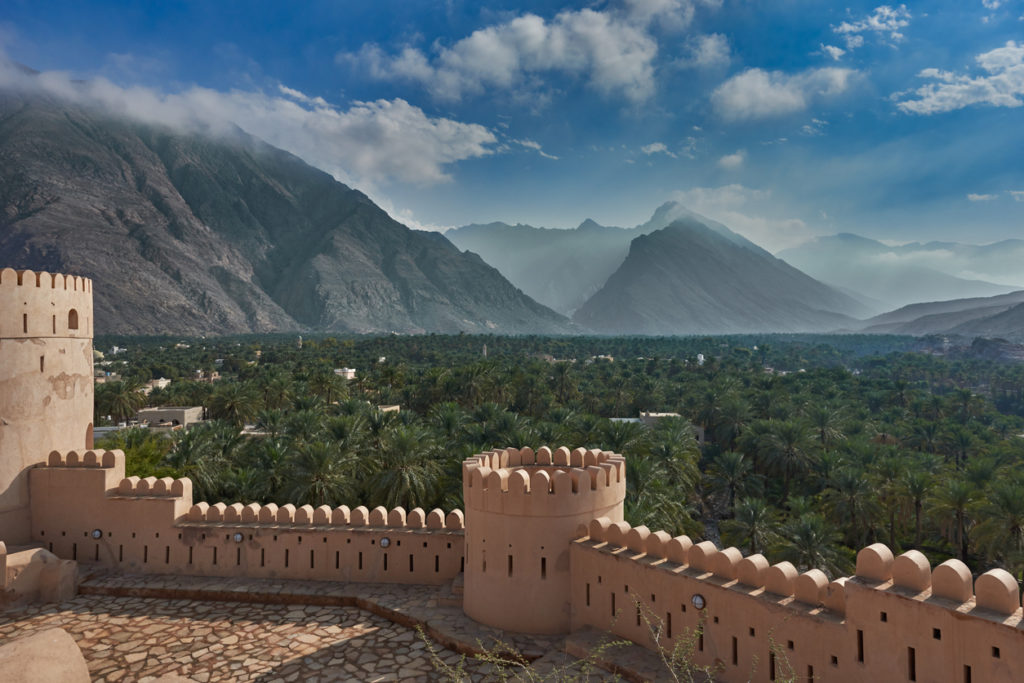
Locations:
{"points": [[406, 471], [810, 542], [754, 526], [319, 474]]}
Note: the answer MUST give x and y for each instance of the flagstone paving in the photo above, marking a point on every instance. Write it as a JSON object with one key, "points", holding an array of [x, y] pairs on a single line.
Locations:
{"points": [[141, 627], [135, 639]]}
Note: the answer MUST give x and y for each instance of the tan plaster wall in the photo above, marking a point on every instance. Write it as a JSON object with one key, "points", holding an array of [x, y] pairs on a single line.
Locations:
{"points": [[834, 632], [151, 525], [46, 388], [522, 511]]}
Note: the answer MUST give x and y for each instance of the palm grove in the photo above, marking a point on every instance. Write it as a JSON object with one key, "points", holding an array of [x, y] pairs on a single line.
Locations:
{"points": [[815, 447]]}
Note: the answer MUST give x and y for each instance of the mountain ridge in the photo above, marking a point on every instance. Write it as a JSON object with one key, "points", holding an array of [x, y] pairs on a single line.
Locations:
{"points": [[195, 234], [689, 278]]}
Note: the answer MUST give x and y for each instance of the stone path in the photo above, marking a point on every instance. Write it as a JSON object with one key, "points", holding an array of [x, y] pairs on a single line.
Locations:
{"points": [[135, 639], [139, 627]]}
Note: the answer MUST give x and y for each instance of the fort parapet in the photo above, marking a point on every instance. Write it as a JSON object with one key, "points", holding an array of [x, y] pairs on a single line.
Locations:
{"points": [[46, 386], [85, 509], [523, 509]]}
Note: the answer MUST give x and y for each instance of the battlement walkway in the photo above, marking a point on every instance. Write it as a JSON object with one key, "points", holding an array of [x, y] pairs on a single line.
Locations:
{"points": [[141, 627]]}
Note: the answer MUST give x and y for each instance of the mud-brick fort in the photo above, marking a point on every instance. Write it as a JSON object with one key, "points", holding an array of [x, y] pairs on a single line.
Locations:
{"points": [[541, 547]]}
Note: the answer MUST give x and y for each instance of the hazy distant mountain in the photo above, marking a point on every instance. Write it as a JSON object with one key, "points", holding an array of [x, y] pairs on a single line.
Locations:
{"points": [[911, 273], [997, 316], [189, 234], [692, 278], [564, 268]]}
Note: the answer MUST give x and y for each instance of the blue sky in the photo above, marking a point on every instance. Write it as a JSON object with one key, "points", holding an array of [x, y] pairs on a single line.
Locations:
{"points": [[785, 119]]}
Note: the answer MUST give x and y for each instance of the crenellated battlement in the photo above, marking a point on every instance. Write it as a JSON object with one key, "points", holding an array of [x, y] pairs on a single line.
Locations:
{"points": [[894, 613], [85, 509], [545, 482], [44, 305], [324, 515], [908, 574]]}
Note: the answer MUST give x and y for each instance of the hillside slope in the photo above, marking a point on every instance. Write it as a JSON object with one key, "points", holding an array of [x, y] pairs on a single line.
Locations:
{"points": [[194, 234], [691, 279]]}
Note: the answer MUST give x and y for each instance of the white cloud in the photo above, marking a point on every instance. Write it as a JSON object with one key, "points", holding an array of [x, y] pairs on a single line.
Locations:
{"points": [[746, 211], [535, 146], [709, 51], [734, 160], [613, 50], [367, 144], [1002, 86], [885, 20], [657, 148], [832, 51], [756, 93], [992, 4], [815, 127], [981, 197], [1018, 195]]}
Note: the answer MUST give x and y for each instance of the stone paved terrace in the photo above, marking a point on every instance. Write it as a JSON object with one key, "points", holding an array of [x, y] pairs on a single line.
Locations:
{"points": [[134, 628]]}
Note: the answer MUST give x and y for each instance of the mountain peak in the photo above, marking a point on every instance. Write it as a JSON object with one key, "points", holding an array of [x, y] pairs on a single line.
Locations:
{"points": [[590, 224]]}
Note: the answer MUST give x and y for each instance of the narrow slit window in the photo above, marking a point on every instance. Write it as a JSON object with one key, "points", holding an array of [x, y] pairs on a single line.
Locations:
{"points": [[238, 557], [613, 605], [860, 645], [771, 666], [668, 624], [735, 651], [215, 556], [145, 554], [312, 559], [911, 664], [543, 567], [360, 560], [510, 565], [385, 561], [263, 557], [55, 323], [588, 595], [967, 673], [286, 558], [42, 363], [437, 564], [167, 554], [24, 323], [411, 563]]}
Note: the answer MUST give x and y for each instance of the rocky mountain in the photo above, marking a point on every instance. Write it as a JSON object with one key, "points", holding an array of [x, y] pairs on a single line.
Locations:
{"points": [[693, 278], [998, 316], [896, 276], [563, 268], [195, 234]]}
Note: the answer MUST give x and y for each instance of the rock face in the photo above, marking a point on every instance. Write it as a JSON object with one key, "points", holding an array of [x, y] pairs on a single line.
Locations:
{"points": [[196, 234], [693, 278], [563, 268]]}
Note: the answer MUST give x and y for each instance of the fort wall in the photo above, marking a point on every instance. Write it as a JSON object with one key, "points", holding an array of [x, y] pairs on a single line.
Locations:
{"points": [[46, 386], [523, 509], [896, 619], [85, 509]]}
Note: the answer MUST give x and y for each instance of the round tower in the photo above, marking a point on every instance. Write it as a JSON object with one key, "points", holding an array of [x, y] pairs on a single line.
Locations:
{"points": [[523, 510], [46, 391]]}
